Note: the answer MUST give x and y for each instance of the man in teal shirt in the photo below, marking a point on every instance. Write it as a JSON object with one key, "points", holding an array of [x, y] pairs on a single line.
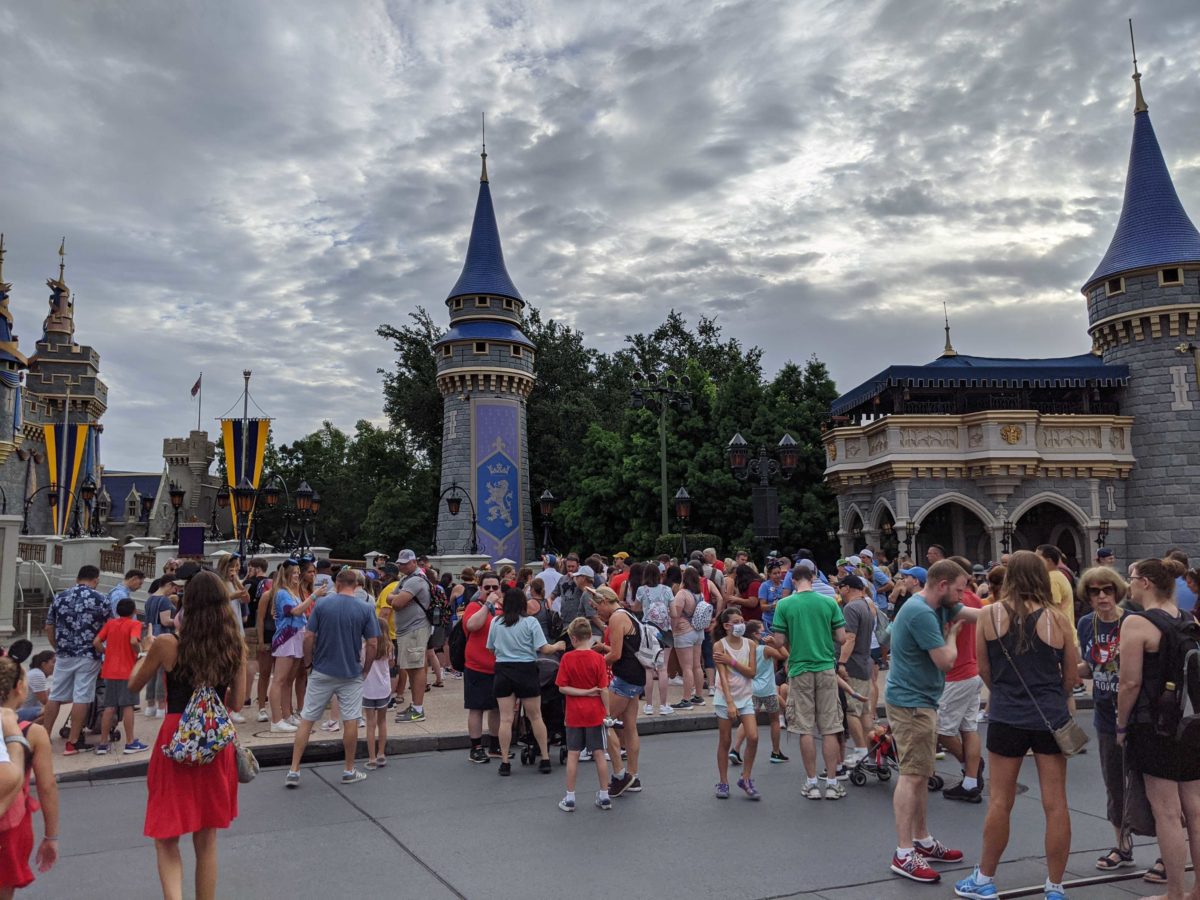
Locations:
{"points": [[812, 628], [923, 649]]}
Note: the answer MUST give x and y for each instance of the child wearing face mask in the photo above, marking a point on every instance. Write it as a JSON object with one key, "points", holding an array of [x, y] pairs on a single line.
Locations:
{"points": [[734, 699]]}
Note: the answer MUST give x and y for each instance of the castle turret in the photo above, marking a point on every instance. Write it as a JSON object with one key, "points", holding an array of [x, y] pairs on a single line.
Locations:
{"points": [[1143, 311], [485, 374]]}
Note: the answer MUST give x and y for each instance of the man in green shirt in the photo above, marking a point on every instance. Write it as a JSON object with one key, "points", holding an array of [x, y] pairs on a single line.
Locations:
{"points": [[811, 627]]}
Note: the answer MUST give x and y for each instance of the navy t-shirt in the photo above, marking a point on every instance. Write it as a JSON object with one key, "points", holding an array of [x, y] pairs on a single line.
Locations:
{"points": [[1099, 643], [341, 622]]}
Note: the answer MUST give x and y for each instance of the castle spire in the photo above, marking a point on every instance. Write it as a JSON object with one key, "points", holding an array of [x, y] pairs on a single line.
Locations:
{"points": [[1139, 102], [1154, 229], [483, 122], [949, 349], [2, 258], [61, 319], [62, 258], [484, 271]]}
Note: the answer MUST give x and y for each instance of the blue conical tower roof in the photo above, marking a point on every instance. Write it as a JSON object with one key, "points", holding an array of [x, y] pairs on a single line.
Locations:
{"points": [[484, 271], [1154, 230]]}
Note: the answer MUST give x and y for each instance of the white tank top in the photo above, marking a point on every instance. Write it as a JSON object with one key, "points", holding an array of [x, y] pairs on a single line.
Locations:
{"points": [[741, 687]]}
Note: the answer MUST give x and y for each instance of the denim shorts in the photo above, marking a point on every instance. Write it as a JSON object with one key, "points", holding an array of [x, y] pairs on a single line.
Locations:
{"points": [[623, 688]]}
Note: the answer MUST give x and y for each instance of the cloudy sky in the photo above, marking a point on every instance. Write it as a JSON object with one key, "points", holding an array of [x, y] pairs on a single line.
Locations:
{"points": [[261, 185]]}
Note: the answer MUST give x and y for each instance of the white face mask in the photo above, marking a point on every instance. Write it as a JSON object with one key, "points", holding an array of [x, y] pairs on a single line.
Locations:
{"points": [[738, 629]]}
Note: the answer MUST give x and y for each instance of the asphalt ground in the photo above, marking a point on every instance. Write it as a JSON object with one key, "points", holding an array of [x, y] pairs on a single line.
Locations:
{"points": [[432, 825]]}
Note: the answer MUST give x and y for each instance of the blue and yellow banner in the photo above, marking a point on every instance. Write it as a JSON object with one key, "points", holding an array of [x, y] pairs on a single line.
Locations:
{"points": [[70, 457], [257, 431]]}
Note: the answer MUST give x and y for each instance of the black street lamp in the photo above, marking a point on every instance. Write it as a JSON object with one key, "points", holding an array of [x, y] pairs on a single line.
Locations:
{"points": [[454, 506], [85, 494], [656, 394], [98, 512], [1007, 536], [683, 512], [147, 506], [244, 497], [214, 530], [51, 499], [176, 493], [780, 463], [1102, 534], [546, 504]]}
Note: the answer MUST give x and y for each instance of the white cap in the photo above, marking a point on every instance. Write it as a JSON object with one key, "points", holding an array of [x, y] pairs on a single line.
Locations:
{"points": [[584, 572], [867, 553], [854, 560]]}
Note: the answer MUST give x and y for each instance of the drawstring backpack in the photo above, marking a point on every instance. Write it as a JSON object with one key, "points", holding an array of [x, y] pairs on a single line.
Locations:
{"points": [[204, 730]]}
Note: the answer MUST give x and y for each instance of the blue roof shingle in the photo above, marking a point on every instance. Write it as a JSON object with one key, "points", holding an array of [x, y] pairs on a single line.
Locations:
{"points": [[484, 271], [1154, 230], [481, 331]]}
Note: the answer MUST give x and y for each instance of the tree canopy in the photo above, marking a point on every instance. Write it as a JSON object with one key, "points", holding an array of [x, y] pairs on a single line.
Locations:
{"points": [[587, 445]]}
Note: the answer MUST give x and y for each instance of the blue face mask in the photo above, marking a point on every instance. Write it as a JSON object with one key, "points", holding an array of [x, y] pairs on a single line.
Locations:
{"points": [[738, 629]]}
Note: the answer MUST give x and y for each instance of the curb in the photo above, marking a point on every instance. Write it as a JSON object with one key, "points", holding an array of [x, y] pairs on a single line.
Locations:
{"points": [[275, 755]]}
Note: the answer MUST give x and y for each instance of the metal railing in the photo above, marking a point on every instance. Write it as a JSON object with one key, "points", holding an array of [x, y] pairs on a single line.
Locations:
{"points": [[34, 552], [112, 561], [58, 554], [145, 562]]}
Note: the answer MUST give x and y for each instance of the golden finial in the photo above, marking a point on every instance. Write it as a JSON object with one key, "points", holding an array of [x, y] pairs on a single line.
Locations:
{"points": [[483, 122], [62, 259], [949, 349], [1139, 104]]}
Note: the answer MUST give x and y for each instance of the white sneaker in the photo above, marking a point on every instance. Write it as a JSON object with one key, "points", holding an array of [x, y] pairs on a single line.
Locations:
{"points": [[362, 723], [294, 719], [264, 716], [237, 718], [665, 710], [648, 709], [585, 755], [677, 681], [282, 727], [162, 713], [712, 692], [150, 712]]}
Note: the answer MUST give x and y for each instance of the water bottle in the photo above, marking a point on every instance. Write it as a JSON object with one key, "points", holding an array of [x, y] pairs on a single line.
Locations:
{"points": [[1166, 710]]}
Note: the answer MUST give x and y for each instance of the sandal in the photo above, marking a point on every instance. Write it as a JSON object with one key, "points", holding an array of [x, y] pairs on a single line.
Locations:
{"points": [[1157, 873], [1116, 858]]}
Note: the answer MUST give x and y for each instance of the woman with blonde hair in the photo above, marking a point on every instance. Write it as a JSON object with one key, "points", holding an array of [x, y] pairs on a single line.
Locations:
{"points": [[189, 799], [229, 570], [1102, 589], [287, 646], [1028, 659], [1170, 770]]}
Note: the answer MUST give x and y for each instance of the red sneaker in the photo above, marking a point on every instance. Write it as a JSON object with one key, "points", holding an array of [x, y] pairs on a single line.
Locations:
{"points": [[915, 868], [939, 852]]}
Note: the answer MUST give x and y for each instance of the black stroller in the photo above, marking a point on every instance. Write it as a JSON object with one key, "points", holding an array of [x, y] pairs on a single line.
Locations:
{"points": [[553, 714]]}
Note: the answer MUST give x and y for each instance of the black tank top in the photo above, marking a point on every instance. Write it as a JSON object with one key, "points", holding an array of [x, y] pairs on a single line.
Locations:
{"points": [[629, 668], [1154, 675], [179, 692]]}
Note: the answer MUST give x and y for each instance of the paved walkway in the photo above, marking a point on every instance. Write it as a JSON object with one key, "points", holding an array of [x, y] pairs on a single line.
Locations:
{"points": [[433, 826]]}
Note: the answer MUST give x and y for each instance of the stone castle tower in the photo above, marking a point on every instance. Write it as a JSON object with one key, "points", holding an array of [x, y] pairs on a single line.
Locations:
{"points": [[485, 374], [1143, 311]]}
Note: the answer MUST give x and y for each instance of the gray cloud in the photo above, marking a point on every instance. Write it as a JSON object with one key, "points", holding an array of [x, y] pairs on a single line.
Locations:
{"points": [[250, 185]]}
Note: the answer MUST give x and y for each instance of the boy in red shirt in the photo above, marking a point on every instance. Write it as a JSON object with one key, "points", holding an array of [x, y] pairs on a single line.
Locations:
{"points": [[121, 641], [583, 679]]}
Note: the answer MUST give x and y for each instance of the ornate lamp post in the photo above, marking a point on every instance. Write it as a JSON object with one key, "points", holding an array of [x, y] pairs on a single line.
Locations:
{"points": [[214, 531], [546, 504], [244, 497], [454, 506], [782, 463], [98, 513], [1006, 536], [683, 512], [147, 506], [51, 498], [85, 494], [176, 493], [304, 513], [1102, 534], [655, 394]]}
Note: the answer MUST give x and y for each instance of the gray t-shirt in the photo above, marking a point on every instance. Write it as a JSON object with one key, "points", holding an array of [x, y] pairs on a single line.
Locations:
{"points": [[412, 616], [341, 623], [860, 622]]}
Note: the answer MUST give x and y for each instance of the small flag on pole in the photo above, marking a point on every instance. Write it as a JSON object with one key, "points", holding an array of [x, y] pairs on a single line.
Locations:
{"points": [[196, 386]]}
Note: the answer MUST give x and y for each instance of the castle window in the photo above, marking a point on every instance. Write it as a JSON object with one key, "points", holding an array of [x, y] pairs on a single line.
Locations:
{"points": [[509, 304], [447, 351], [481, 301], [481, 346], [516, 349], [458, 302], [1173, 275], [1114, 286]]}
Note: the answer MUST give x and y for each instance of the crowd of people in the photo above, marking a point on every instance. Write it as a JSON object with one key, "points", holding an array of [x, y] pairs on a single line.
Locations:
{"points": [[571, 654]]}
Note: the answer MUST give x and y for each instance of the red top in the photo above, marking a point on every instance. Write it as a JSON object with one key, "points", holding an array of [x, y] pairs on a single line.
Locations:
{"points": [[752, 612], [479, 657], [966, 666], [119, 655], [618, 582], [583, 669], [719, 565]]}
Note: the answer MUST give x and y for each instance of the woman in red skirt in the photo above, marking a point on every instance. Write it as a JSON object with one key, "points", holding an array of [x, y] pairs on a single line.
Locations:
{"points": [[193, 799]]}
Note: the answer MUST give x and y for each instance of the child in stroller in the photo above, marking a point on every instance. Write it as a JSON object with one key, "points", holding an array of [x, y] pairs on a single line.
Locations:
{"points": [[553, 714], [881, 759]]}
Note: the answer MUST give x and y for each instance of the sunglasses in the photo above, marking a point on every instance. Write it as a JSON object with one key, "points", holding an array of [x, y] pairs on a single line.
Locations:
{"points": [[1098, 590]]}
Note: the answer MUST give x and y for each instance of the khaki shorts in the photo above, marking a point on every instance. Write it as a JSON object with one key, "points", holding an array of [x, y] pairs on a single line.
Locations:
{"points": [[858, 708], [410, 648], [958, 710], [915, 730], [812, 703]]}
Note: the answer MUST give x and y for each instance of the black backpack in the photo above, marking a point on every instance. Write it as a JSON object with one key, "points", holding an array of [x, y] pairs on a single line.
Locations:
{"points": [[1179, 650]]}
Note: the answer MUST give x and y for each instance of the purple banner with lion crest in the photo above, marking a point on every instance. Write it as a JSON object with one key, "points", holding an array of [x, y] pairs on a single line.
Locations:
{"points": [[498, 489]]}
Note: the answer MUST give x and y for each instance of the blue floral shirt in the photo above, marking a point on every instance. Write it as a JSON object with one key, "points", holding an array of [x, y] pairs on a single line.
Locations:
{"points": [[78, 614]]}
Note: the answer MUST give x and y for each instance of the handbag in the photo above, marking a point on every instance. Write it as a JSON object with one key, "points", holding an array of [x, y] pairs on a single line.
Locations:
{"points": [[247, 763], [1071, 738]]}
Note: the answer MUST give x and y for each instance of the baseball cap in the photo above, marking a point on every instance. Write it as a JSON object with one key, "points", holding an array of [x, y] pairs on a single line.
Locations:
{"points": [[585, 572], [186, 573], [853, 582], [621, 555], [551, 559], [807, 565], [866, 552], [406, 556], [917, 572], [391, 570], [607, 593], [854, 560], [1104, 553]]}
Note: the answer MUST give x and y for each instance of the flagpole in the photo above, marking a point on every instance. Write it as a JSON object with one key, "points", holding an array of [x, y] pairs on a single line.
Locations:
{"points": [[199, 400], [62, 455], [245, 437]]}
